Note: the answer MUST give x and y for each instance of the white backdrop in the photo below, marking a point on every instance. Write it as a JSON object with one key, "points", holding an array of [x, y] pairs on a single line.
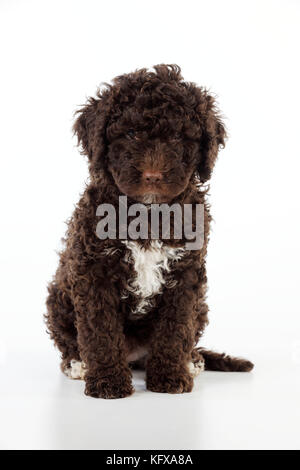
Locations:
{"points": [[53, 55]]}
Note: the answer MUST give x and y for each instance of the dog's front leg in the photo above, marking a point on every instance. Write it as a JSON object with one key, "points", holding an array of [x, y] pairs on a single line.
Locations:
{"points": [[101, 341], [173, 340]]}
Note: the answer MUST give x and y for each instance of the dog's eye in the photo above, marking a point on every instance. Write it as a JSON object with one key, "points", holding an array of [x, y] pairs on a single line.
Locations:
{"points": [[131, 133]]}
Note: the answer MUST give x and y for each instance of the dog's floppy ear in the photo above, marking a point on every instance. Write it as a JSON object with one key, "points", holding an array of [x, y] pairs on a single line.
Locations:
{"points": [[84, 125], [90, 128], [213, 137]]}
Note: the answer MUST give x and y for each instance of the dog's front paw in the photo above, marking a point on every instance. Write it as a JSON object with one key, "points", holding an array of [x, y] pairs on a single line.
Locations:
{"points": [[108, 387], [170, 382]]}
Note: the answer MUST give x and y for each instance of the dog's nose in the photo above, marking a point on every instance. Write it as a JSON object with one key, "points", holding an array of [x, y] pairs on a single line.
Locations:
{"points": [[151, 176]]}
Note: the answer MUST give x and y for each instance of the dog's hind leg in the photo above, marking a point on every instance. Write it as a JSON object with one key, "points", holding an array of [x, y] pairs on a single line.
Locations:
{"points": [[220, 361], [60, 321], [203, 359], [137, 359], [197, 364]]}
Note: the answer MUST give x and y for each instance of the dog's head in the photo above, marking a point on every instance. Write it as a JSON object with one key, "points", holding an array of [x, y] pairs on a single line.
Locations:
{"points": [[152, 132]]}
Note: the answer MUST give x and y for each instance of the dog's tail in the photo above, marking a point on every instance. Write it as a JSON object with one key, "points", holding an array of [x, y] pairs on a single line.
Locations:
{"points": [[221, 361]]}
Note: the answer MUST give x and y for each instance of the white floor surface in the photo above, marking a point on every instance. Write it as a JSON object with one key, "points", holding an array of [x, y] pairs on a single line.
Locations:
{"points": [[41, 409]]}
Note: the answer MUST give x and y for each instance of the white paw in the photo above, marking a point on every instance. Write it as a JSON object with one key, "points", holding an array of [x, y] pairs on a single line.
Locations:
{"points": [[76, 370], [196, 368]]}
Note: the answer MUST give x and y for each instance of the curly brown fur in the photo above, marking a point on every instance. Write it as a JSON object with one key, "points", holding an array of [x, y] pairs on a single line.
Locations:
{"points": [[221, 361], [155, 138]]}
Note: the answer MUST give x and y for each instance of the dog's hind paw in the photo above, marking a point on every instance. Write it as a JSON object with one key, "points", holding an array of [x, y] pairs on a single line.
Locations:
{"points": [[75, 370], [195, 368]]}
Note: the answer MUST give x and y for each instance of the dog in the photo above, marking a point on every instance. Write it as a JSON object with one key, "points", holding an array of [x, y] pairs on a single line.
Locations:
{"points": [[119, 304]]}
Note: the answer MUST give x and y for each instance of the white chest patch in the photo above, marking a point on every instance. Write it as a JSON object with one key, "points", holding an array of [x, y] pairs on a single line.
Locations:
{"points": [[151, 265]]}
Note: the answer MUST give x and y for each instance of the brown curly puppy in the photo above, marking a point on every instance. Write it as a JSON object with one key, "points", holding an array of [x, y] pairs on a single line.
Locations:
{"points": [[115, 304]]}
